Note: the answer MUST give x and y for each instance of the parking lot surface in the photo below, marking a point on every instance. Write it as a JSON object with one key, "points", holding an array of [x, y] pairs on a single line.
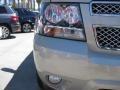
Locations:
{"points": [[17, 70]]}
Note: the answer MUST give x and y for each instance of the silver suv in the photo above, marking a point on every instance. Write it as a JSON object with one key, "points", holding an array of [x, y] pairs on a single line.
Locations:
{"points": [[77, 44]]}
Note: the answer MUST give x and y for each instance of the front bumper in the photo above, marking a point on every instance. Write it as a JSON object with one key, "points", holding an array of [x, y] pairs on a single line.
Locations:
{"points": [[79, 67]]}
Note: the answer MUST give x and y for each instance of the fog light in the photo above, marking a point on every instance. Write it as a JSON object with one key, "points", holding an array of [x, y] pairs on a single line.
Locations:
{"points": [[54, 79]]}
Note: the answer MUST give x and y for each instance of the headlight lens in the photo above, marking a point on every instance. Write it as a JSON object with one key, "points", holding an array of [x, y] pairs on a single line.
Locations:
{"points": [[54, 13], [71, 15]]}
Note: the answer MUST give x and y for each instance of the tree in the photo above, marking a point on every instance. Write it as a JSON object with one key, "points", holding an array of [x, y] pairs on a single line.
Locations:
{"points": [[31, 4], [23, 2], [38, 1], [34, 4], [18, 3], [5, 2], [14, 3], [28, 4]]}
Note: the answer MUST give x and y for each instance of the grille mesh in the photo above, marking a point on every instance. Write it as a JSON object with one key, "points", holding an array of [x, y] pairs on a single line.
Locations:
{"points": [[108, 37], [106, 8]]}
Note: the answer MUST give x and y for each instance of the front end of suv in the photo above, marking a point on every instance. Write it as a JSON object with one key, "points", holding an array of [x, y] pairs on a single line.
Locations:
{"points": [[77, 43]]}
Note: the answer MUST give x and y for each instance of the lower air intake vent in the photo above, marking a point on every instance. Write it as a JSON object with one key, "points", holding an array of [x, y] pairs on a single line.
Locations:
{"points": [[108, 37]]}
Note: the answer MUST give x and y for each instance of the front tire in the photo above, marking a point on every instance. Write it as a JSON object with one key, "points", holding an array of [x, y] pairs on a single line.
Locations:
{"points": [[5, 32], [26, 27]]}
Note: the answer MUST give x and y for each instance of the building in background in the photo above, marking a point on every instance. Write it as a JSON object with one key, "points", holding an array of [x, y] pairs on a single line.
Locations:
{"points": [[31, 4]]}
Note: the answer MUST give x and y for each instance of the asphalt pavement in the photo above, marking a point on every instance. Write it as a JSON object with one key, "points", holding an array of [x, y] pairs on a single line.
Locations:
{"points": [[17, 69]]}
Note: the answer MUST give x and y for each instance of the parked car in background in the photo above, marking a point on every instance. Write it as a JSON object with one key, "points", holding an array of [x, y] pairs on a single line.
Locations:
{"points": [[77, 44], [9, 21], [37, 13], [27, 19]]}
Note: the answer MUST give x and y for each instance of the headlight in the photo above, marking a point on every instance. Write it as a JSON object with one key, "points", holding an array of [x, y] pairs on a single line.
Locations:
{"points": [[64, 32], [54, 13], [62, 21], [71, 15]]}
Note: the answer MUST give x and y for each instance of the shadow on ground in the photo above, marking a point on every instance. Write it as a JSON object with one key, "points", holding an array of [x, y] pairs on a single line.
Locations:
{"points": [[25, 76], [11, 37], [32, 31]]}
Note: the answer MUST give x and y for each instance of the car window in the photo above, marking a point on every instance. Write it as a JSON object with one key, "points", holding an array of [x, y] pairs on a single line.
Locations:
{"points": [[3, 10], [23, 11], [19, 11], [15, 11], [28, 12], [10, 10]]}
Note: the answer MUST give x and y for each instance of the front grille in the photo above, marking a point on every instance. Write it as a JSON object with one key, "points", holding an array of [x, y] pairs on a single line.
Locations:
{"points": [[106, 8], [108, 37]]}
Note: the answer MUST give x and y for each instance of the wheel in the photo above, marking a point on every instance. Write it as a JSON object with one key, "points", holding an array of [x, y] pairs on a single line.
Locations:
{"points": [[4, 32], [42, 85], [26, 27]]}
